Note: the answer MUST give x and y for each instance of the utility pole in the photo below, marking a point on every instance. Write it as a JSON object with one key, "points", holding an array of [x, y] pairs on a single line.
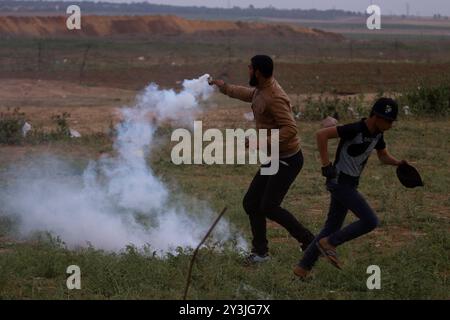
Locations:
{"points": [[351, 50], [227, 67], [229, 37], [83, 63], [39, 60], [407, 9]]}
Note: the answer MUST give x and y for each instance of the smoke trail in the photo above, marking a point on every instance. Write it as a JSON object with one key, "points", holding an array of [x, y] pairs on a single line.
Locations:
{"points": [[117, 200]]}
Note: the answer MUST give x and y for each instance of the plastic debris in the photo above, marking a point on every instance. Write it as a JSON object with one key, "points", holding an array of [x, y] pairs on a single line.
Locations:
{"points": [[406, 110], [249, 116], [353, 113], [74, 133], [25, 129]]}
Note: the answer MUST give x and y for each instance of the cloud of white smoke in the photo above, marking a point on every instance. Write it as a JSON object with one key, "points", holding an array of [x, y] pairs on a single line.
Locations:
{"points": [[116, 200]]}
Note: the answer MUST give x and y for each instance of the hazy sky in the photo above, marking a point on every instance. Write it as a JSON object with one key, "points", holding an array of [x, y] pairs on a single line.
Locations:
{"points": [[423, 7]]}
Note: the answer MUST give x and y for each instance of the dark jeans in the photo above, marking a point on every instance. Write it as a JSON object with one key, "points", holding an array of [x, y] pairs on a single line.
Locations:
{"points": [[344, 197], [263, 199]]}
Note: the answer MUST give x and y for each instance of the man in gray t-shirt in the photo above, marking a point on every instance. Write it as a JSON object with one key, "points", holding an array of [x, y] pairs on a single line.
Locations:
{"points": [[355, 146], [357, 141]]}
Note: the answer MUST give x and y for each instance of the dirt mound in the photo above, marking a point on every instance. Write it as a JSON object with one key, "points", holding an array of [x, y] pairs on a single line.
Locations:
{"points": [[150, 25]]}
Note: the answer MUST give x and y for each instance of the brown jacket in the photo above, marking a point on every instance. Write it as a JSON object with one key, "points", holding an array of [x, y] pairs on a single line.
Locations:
{"points": [[272, 110]]}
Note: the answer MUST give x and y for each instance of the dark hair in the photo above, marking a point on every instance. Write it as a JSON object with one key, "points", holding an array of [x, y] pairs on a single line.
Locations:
{"points": [[263, 64]]}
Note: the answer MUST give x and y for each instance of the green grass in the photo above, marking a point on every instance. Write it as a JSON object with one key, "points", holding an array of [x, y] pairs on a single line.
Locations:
{"points": [[411, 246]]}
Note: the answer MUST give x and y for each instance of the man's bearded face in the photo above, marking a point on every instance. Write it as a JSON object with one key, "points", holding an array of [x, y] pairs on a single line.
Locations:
{"points": [[253, 80]]}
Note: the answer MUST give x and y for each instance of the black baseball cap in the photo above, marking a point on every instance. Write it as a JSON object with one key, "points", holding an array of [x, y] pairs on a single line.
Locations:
{"points": [[409, 176], [386, 108]]}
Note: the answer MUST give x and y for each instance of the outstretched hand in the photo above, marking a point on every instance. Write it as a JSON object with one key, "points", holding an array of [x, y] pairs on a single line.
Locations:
{"points": [[217, 82]]}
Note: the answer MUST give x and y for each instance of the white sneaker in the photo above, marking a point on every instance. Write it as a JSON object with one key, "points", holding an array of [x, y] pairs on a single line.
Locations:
{"points": [[253, 258]]}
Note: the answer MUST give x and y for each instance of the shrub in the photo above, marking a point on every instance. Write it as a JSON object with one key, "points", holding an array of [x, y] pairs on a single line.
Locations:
{"points": [[320, 108], [428, 100], [63, 129], [11, 124]]}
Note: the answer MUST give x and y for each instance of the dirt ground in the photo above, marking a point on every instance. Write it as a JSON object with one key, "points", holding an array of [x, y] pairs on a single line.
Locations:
{"points": [[342, 77], [95, 109], [91, 110]]}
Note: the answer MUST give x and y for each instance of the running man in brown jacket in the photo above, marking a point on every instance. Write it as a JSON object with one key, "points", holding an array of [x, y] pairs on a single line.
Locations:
{"points": [[272, 110]]}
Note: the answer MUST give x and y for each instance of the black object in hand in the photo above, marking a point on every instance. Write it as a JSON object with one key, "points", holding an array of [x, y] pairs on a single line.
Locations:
{"points": [[329, 171], [409, 176]]}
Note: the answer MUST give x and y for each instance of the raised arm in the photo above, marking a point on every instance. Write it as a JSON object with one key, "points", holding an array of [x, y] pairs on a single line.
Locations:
{"points": [[236, 92]]}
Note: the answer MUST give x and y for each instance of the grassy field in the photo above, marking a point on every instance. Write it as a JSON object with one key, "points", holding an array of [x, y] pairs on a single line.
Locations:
{"points": [[411, 246]]}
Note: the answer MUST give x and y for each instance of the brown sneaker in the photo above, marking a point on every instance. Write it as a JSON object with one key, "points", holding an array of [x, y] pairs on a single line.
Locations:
{"points": [[329, 252], [300, 272]]}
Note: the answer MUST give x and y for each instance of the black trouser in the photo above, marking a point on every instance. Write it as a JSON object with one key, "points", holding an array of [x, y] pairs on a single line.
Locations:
{"points": [[344, 197], [263, 199]]}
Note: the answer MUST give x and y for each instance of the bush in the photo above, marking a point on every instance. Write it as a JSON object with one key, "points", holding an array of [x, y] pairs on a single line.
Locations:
{"points": [[428, 100], [63, 129], [11, 124], [320, 108]]}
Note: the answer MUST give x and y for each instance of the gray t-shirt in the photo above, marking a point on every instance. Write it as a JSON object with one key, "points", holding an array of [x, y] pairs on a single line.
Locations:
{"points": [[355, 146]]}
